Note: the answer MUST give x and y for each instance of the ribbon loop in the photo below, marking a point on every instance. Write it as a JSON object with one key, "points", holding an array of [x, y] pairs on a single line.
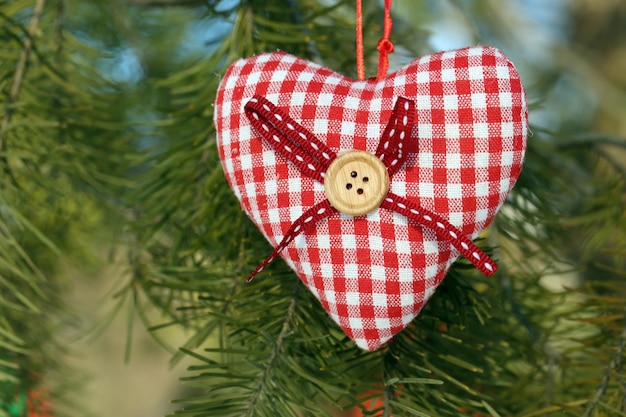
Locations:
{"points": [[289, 139], [396, 141]]}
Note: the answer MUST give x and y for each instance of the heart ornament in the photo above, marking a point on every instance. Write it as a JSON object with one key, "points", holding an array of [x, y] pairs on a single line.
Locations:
{"points": [[370, 190]]}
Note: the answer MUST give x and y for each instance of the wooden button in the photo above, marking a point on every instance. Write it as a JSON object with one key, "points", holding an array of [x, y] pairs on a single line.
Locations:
{"points": [[356, 183]]}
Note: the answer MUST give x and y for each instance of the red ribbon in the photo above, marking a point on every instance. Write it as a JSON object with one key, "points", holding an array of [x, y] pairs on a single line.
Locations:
{"points": [[312, 158]]}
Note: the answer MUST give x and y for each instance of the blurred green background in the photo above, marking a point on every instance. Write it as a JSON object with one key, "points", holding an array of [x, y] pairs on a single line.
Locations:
{"points": [[571, 55]]}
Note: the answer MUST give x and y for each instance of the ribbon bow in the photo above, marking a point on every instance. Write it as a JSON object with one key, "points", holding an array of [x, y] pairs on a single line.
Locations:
{"points": [[313, 158]]}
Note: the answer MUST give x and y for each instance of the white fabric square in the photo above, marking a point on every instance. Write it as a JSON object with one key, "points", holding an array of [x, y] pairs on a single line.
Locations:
{"points": [[479, 100], [481, 130], [348, 241], [476, 73], [450, 102]]}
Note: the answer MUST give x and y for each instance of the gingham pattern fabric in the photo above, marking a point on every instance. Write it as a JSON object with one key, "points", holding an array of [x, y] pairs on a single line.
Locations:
{"points": [[374, 273]]}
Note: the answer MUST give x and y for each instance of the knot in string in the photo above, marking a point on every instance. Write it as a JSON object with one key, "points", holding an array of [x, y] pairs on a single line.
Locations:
{"points": [[385, 46]]}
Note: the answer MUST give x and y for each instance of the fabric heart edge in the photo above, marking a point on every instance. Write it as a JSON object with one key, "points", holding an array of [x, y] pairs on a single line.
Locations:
{"points": [[426, 291]]}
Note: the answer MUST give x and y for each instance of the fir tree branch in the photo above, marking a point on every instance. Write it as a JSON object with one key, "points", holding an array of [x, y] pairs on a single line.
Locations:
{"points": [[202, 174], [60, 12], [618, 165], [507, 285], [278, 344], [201, 335], [591, 139], [390, 363], [20, 70], [551, 354], [387, 397], [615, 363], [622, 390], [58, 57], [601, 144]]}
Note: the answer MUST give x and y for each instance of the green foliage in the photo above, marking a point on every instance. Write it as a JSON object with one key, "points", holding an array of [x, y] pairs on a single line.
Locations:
{"points": [[108, 123], [59, 120]]}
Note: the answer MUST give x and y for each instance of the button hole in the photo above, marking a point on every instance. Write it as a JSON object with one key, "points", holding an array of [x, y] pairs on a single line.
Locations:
{"points": [[353, 174], [348, 186], [366, 179], [359, 191]]}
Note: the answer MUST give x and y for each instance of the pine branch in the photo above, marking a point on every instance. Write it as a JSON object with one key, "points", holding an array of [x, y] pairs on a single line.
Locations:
{"points": [[616, 162], [201, 335], [622, 390], [388, 396], [614, 364], [518, 311], [20, 70], [573, 141], [58, 58], [276, 350], [388, 390]]}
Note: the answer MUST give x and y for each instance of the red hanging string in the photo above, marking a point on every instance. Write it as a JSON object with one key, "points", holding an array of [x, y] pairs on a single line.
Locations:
{"points": [[360, 61], [385, 47]]}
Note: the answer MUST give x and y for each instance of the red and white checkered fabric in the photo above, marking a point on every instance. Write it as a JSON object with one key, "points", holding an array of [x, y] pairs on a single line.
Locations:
{"points": [[374, 273]]}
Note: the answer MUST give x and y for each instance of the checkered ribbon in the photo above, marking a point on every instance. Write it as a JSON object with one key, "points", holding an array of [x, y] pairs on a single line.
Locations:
{"points": [[312, 157]]}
